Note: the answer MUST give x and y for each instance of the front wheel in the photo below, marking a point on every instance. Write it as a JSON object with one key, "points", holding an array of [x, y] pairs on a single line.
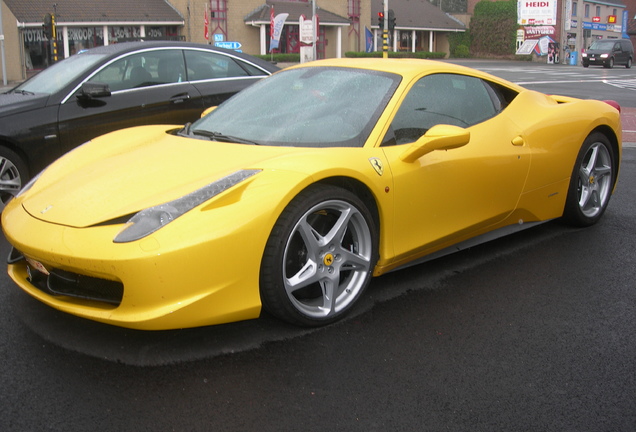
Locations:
{"points": [[592, 182], [13, 175], [319, 257]]}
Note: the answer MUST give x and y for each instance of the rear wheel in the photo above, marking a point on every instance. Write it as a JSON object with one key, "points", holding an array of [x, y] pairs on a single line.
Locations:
{"points": [[319, 257], [628, 65], [592, 182], [13, 175]]}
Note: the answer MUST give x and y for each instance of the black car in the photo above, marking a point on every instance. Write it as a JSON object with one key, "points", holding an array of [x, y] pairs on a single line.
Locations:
{"points": [[608, 53], [108, 88]]}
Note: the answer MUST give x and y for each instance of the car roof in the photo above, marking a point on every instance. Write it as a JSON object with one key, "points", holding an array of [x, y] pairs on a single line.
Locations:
{"points": [[117, 49], [409, 68]]}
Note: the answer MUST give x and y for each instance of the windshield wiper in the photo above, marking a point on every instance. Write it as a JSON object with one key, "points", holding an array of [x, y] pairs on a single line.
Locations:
{"points": [[218, 136], [23, 92]]}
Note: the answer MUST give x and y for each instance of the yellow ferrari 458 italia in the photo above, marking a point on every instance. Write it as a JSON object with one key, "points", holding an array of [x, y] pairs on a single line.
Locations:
{"points": [[291, 195]]}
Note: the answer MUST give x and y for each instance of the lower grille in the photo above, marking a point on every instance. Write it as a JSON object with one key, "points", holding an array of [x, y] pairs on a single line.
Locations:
{"points": [[64, 283], [61, 282]]}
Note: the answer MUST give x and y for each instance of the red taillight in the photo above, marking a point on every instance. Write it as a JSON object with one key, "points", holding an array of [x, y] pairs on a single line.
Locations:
{"points": [[614, 104]]}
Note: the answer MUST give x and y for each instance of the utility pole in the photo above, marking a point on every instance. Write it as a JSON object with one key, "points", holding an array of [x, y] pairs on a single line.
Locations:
{"points": [[4, 66], [314, 21], [385, 31]]}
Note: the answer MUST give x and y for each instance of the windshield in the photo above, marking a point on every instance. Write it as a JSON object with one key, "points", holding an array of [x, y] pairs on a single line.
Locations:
{"points": [[602, 45], [58, 76], [306, 107]]}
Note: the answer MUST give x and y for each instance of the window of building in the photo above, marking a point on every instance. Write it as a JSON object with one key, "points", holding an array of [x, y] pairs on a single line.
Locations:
{"points": [[587, 11], [574, 9]]}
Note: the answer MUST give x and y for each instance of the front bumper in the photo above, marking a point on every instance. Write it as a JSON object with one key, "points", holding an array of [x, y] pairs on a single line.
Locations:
{"points": [[597, 61], [160, 282]]}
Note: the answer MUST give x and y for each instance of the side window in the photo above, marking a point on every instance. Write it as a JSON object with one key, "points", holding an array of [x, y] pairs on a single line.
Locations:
{"points": [[204, 65], [142, 70], [457, 100]]}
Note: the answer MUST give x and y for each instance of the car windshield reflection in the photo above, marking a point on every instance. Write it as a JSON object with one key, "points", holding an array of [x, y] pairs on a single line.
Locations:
{"points": [[59, 75], [309, 107]]}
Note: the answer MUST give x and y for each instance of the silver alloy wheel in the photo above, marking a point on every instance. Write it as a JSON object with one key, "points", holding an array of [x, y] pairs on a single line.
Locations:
{"points": [[10, 181], [595, 180], [327, 259]]}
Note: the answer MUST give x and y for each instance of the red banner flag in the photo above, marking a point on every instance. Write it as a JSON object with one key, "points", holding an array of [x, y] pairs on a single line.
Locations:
{"points": [[205, 26], [271, 22]]}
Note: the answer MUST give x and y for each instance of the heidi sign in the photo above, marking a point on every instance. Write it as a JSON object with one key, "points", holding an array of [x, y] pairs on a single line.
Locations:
{"points": [[531, 12]]}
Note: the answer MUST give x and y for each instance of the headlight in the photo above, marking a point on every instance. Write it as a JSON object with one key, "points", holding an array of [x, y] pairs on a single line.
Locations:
{"points": [[583, 54], [604, 55], [151, 219]]}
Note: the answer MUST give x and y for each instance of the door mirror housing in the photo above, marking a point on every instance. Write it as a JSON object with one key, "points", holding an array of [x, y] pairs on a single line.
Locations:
{"points": [[439, 137], [91, 90]]}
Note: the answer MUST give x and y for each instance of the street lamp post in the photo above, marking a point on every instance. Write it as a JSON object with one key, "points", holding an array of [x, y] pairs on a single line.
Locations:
{"points": [[4, 66]]}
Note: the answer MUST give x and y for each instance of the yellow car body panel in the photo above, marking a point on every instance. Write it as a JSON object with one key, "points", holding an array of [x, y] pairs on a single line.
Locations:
{"points": [[203, 268], [192, 273]]}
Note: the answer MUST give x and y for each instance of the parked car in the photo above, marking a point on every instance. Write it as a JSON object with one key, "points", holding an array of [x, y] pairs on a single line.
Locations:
{"points": [[609, 52], [109, 88], [292, 194]]}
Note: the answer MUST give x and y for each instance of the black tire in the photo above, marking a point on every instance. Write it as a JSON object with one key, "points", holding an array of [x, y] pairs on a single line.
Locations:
{"points": [[592, 182], [319, 257], [628, 65], [13, 175], [610, 63], [586, 65]]}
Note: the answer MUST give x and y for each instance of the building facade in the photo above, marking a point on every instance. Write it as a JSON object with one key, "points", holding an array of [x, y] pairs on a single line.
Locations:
{"points": [[82, 24], [590, 20]]}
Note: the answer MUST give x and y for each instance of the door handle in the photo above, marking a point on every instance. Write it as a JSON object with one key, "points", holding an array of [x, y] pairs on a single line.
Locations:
{"points": [[181, 97]]}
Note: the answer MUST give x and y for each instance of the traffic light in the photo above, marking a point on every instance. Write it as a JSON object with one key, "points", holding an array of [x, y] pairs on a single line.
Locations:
{"points": [[391, 20], [48, 26], [381, 20]]}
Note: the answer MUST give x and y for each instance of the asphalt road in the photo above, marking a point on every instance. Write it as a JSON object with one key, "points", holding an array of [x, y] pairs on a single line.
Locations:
{"points": [[533, 332], [594, 82]]}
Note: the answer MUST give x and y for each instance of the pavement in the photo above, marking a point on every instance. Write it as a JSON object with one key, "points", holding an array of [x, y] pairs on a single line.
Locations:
{"points": [[628, 117]]}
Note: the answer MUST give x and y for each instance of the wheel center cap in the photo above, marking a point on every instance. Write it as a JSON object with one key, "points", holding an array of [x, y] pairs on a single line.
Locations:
{"points": [[327, 259]]}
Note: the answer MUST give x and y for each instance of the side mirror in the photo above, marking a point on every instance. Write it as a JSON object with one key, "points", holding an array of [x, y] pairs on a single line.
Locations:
{"points": [[207, 111], [439, 137], [91, 90]]}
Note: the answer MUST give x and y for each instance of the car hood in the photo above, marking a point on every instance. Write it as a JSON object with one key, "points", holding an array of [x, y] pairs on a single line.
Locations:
{"points": [[14, 103], [121, 173]]}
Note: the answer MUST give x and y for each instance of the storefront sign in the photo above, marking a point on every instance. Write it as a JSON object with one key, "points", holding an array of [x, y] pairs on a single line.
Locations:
{"points": [[538, 31], [542, 12], [602, 27]]}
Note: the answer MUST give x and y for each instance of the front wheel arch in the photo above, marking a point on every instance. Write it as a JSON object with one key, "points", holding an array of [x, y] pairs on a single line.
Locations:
{"points": [[320, 255], [592, 182]]}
